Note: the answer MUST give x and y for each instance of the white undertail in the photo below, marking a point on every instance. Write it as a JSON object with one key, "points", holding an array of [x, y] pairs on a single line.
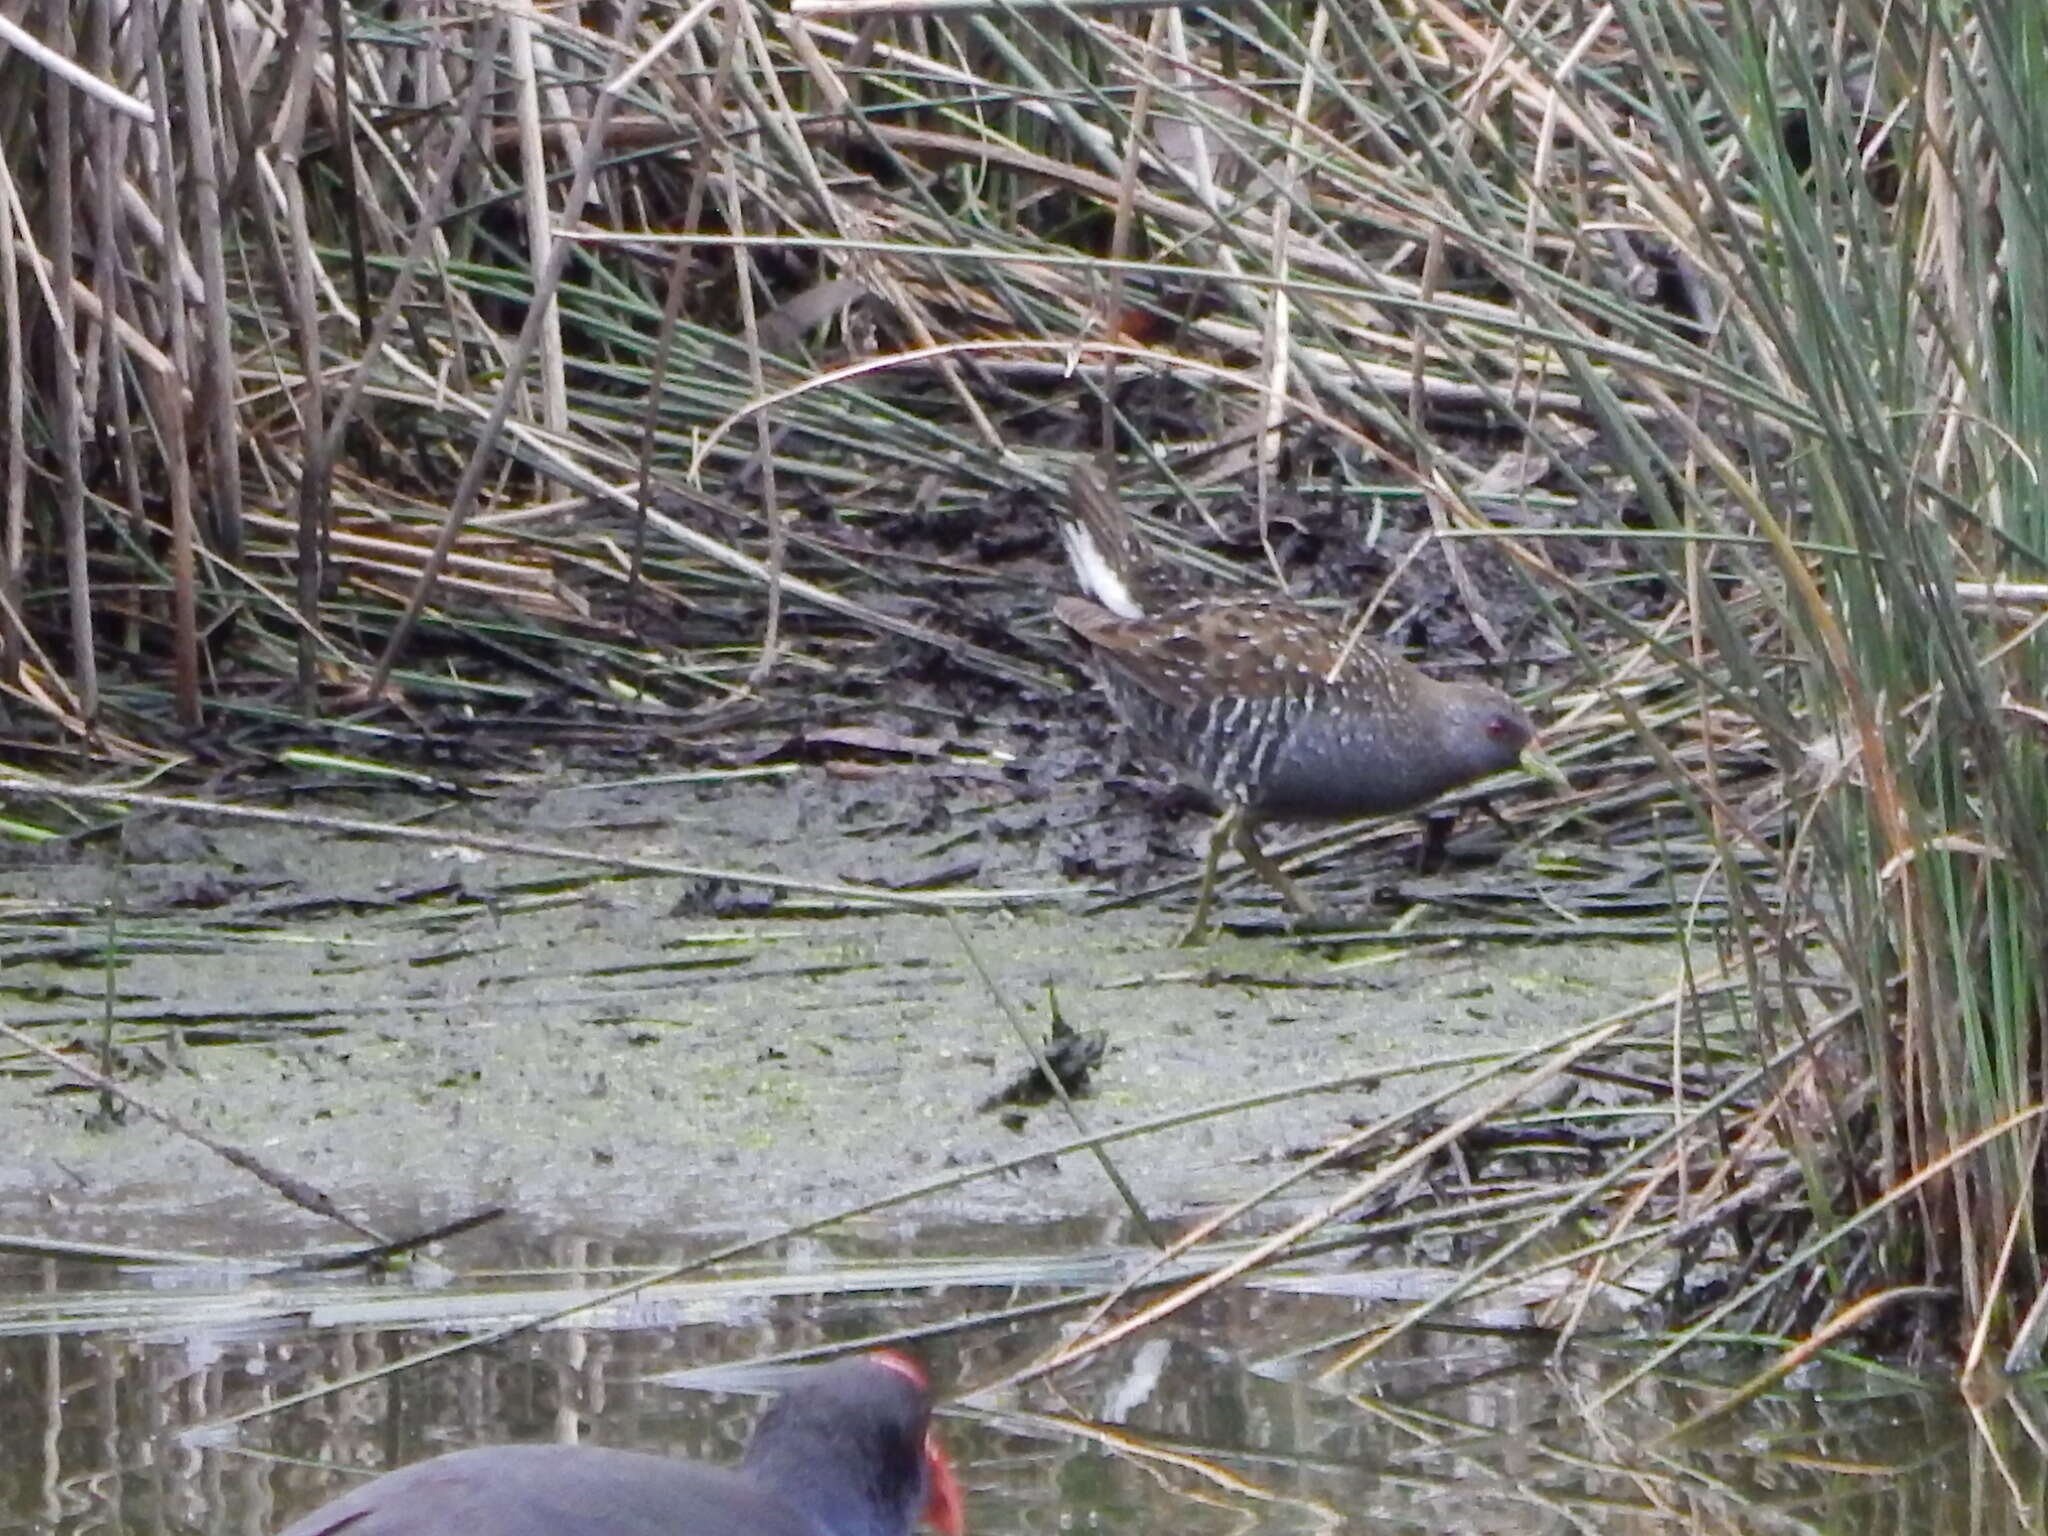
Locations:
{"points": [[1098, 576]]}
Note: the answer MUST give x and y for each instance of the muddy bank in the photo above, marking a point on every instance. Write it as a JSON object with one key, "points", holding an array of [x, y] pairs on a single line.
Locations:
{"points": [[418, 1031]]}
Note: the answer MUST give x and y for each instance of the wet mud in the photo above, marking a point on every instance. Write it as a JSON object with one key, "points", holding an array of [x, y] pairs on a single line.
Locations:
{"points": [[421, 1030]]}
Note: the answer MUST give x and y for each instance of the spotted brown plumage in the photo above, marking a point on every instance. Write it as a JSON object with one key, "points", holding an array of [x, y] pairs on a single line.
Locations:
{"points": [[1279, 714]]}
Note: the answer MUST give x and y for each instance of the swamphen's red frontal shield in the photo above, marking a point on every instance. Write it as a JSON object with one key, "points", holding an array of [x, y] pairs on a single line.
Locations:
{"points": [[846, 1450]]}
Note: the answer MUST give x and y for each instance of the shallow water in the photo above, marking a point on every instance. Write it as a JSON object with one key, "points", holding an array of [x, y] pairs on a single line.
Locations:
{"points": [[421, 1032], [159, 1399]]}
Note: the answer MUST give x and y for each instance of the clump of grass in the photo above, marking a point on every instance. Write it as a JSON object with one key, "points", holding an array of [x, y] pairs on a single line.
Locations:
{"points": [[1858, 227], [1786, 259]]}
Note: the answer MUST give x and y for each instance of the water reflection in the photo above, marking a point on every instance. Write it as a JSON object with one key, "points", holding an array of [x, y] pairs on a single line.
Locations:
{"points": [[1207, 1424]]}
